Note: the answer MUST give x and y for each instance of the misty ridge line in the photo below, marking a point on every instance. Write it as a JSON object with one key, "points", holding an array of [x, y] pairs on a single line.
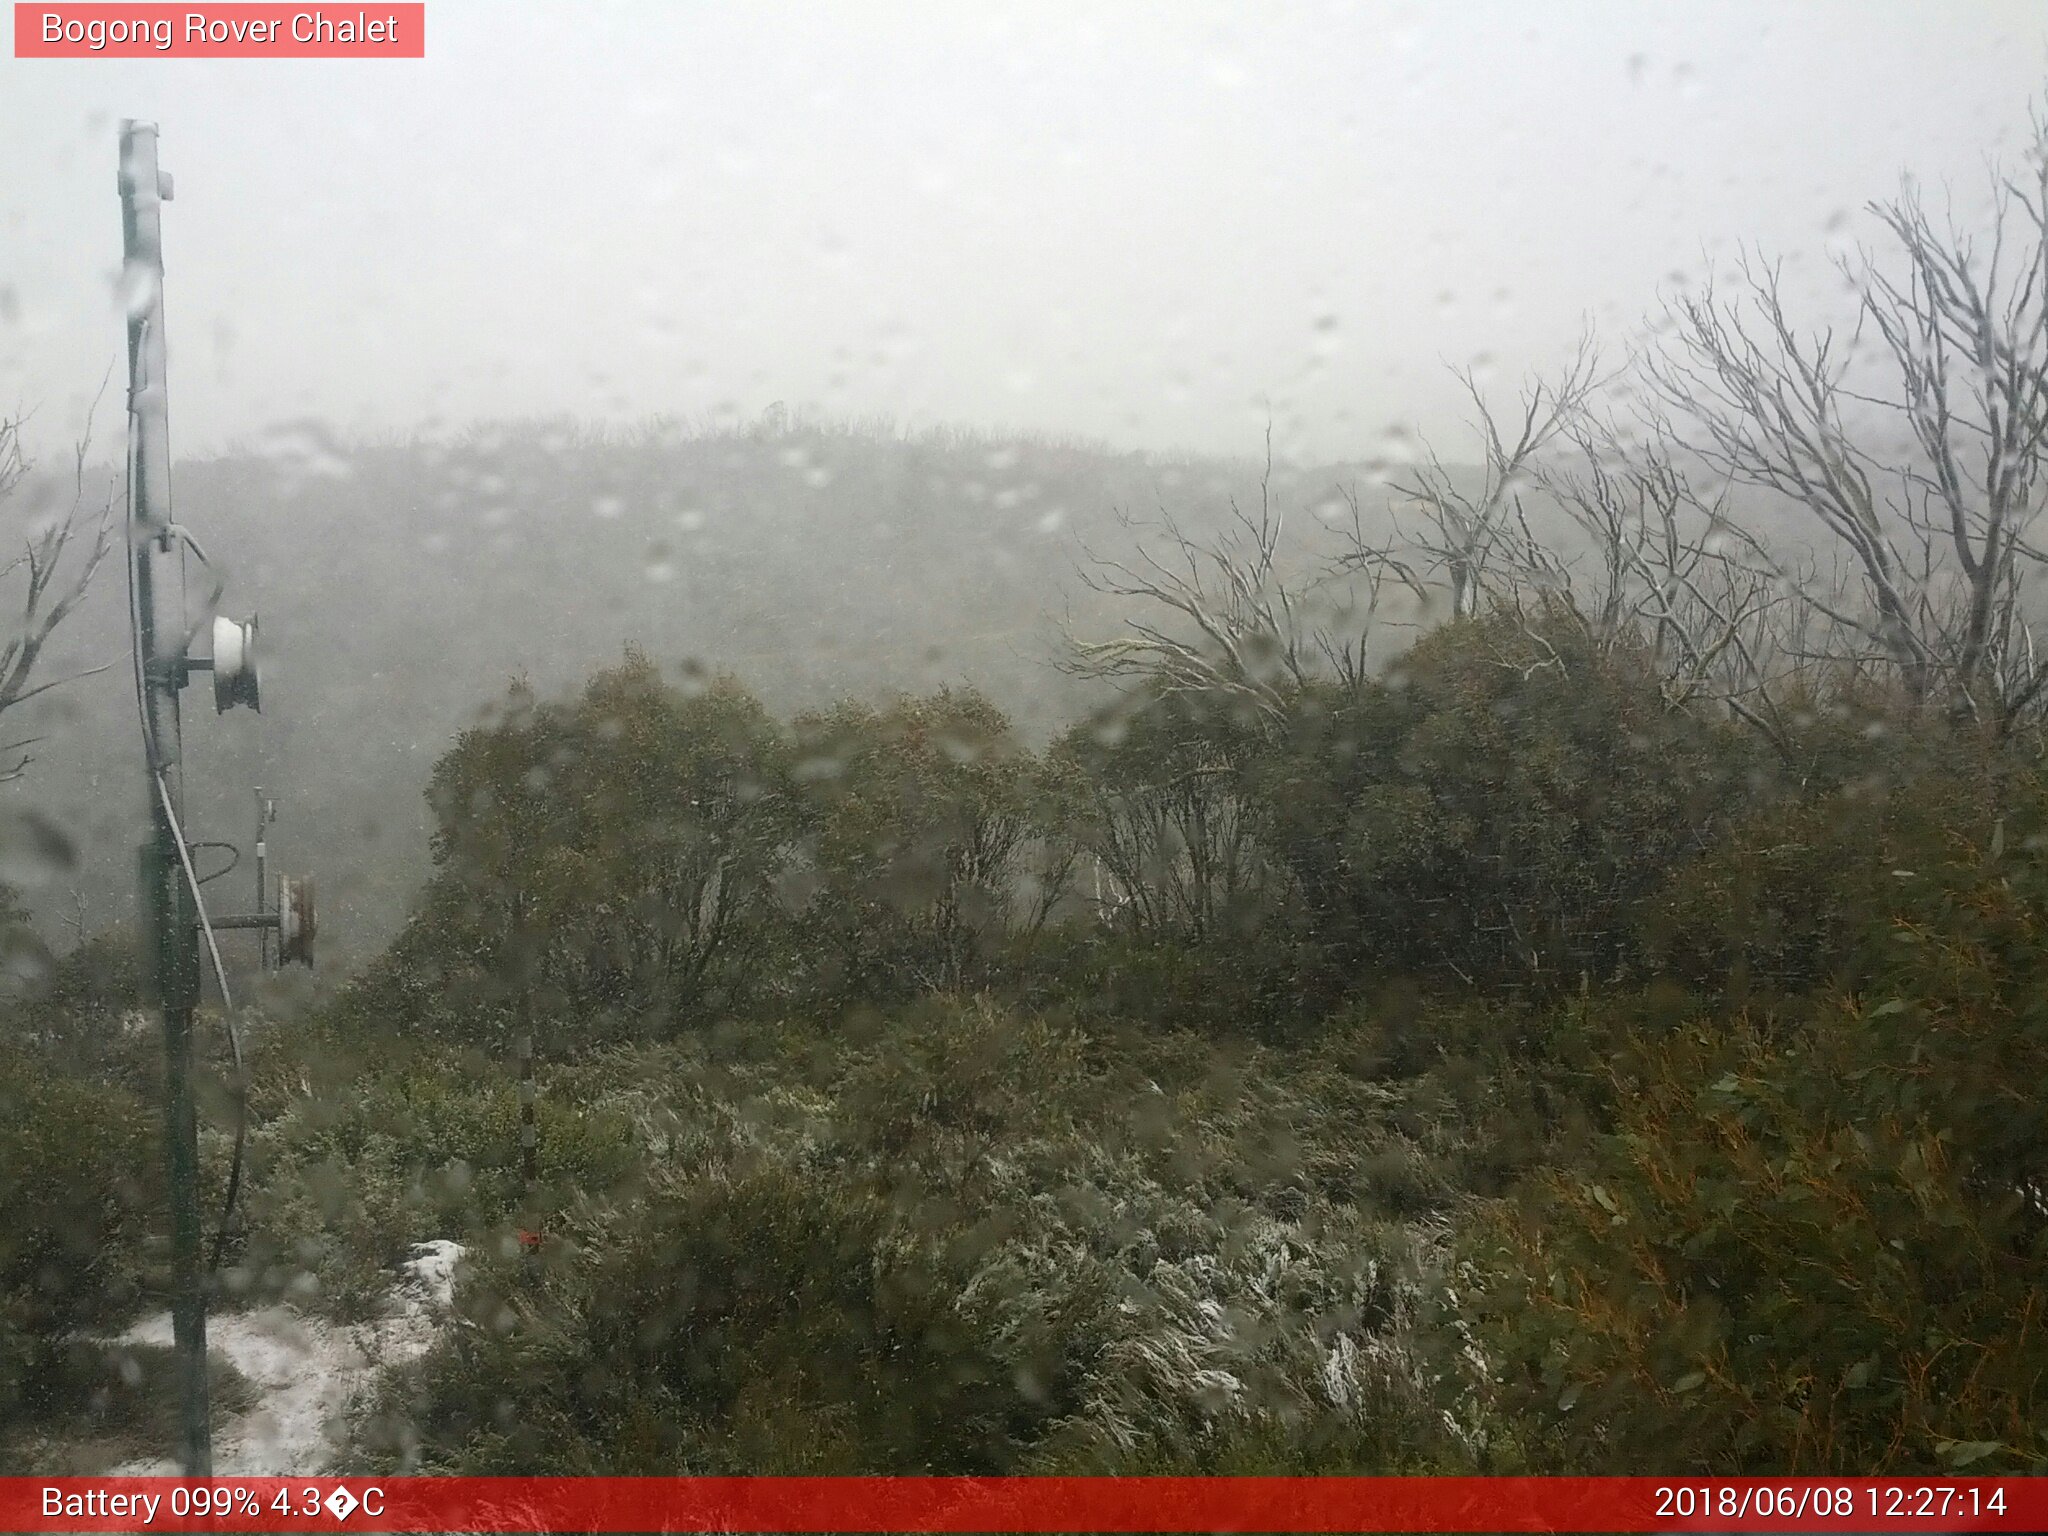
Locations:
{"points": [[814, 558]]}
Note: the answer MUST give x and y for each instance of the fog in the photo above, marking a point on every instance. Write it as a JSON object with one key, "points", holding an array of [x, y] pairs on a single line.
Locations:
{"points": [[1159, 225], [1135, 738], [1092, 231]]}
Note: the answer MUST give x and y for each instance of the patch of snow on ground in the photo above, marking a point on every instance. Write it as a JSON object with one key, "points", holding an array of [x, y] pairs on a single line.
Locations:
{"points": [[432, 1268], [307, 1371]]}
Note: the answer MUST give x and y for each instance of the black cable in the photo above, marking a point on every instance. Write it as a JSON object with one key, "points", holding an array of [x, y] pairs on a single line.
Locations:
{"points": [[234, 863], [156, 775]]}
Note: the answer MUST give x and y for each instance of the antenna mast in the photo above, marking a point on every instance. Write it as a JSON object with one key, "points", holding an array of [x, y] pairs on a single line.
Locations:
{"points": [[171, 937], [177, 926]]}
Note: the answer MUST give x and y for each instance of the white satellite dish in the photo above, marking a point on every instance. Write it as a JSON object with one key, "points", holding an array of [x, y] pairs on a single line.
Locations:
{"points": [[234, 664]]}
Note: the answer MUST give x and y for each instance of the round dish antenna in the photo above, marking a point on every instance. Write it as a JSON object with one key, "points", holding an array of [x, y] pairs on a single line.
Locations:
{"points": [[234, 664]]}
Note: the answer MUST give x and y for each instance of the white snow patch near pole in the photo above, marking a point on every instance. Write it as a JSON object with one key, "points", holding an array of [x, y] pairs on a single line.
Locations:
{"points": [[307, 1371]]}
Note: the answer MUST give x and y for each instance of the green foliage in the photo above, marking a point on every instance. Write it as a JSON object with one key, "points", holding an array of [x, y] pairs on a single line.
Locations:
{"points": [[1109, 1111], [1481, 1090], [935, 840], [1257, 986], [950, 1237], [1796, 892], [1175, 838], [100, 977], [1496, 809], [1814, 1241], [346, 1176], [25, 961], [615, 857], [76, 1204], [650, 856], [82, 1013], [767, 1325], [97, 1404]]}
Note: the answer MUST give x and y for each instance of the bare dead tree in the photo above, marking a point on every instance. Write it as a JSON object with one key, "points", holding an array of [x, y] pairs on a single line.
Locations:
{"points": [[51, 588], [1941, 543], [1218, 618], [1477, 543], [1213, 618], [1178, 844], [1714, 610], [1212, 623], [1356, 589]]}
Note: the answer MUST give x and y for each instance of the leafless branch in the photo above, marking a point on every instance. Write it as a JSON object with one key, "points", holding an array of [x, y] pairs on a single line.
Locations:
{"points": [[1477, 543], [51, 585], [1941, 545], [1214, 618]]}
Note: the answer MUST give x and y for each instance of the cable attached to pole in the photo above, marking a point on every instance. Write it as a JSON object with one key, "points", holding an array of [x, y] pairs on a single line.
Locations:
{"points": [[192, 880], [220, 975], [234, 859]]}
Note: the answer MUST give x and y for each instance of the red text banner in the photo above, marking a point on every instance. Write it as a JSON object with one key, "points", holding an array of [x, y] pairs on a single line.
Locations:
{"points": [[1276, 1504], [236, 31]]}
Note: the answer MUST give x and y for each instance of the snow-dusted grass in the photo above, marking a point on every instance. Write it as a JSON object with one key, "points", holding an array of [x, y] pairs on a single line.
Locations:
{"points": [[1156, 1253]]}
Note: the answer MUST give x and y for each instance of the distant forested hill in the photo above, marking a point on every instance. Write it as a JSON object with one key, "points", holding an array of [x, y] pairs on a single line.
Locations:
{"points": [[402, 586]]}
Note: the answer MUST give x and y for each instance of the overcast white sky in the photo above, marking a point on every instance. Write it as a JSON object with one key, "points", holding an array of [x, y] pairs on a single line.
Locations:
{"points": [[1141, 222]]}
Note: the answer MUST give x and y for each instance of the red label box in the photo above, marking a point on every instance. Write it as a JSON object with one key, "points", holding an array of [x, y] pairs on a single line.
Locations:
{"points": [[238, 31]]}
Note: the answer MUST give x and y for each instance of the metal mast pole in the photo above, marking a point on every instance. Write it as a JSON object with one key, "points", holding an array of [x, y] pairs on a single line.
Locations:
{"points": [[171, 939], [266, 813]]}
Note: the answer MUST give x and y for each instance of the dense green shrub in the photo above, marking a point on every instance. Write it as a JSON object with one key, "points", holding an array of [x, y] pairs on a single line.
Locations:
{"points": [[1797, 891], [1266, 985], [765, 1325], [98, 1403], [78, 1177], [1108, 1111], [935, 839], [1176, 840], [1814, 1241], [82, 1013], [346, 1178], [1496, 809], [614, 857], [952, 1237]]}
